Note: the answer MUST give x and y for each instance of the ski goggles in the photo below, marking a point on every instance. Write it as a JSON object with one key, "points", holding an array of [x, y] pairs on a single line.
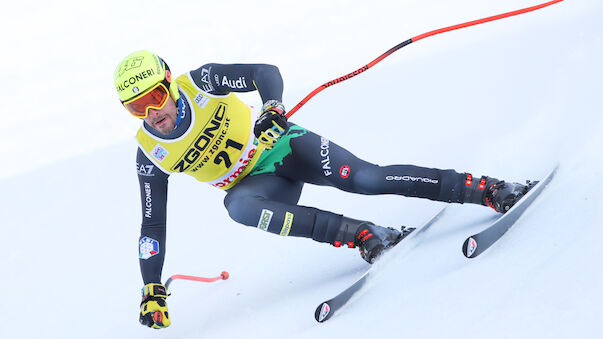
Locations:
{"points": [[155, 97]]}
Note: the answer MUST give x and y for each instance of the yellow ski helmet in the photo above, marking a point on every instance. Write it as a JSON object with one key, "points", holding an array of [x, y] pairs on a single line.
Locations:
{"points": [[140, 71]]}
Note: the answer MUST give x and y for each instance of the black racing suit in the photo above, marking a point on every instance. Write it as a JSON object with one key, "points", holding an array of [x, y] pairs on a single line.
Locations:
{"points": [[316, 160], [267, 198]]}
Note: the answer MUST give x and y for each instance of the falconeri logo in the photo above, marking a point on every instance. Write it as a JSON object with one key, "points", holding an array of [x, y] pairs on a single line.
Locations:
{"points": [[324, 154], [148, 201], [134, 79]]}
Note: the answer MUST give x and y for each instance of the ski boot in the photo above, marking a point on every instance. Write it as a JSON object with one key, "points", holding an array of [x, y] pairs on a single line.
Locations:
{"points": [[498, 194], [502, 195], [371, 240]]}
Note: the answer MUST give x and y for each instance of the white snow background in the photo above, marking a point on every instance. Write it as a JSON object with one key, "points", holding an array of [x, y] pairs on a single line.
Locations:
{"points": [[509, 99]]}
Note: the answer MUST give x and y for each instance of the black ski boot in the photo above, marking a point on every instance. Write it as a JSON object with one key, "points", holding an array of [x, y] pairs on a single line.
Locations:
{"points": [[498, 194], [370, 239], [503, 195]]}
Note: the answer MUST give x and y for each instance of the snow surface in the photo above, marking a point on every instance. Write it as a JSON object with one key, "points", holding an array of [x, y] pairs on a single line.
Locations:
{"points": [[508, 99]]}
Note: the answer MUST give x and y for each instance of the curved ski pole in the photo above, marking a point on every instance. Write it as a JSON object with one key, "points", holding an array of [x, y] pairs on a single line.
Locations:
{"points": [[409, 41], [223, 276]]}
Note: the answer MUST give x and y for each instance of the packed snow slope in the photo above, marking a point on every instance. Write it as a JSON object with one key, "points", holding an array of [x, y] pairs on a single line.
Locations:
{"points": [[508, 99]]}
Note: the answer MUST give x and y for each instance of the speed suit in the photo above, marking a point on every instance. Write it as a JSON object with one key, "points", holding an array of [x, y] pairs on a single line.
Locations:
{"points": [[214, 143]]}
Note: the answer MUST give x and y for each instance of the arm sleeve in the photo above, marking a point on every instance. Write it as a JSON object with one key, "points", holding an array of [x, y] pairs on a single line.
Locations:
{"points": [[153, 196], [222, 79]]}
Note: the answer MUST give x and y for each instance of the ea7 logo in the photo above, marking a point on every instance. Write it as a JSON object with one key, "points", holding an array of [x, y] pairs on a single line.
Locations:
{"points": [[145, 170], [205, 80]]}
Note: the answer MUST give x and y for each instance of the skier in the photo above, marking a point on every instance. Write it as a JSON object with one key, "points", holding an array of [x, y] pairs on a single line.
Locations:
{"points": [[196, 125]]}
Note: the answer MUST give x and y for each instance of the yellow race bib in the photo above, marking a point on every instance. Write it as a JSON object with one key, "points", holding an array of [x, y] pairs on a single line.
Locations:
{"points": [[219, 146]]}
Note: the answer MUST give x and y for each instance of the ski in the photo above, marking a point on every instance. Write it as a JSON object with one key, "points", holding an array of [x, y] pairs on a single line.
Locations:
{"points": [[327, 308], [478, 243]]}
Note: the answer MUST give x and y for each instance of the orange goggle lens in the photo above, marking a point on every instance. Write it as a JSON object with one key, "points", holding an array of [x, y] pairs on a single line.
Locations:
{"points": [[154, 98]]}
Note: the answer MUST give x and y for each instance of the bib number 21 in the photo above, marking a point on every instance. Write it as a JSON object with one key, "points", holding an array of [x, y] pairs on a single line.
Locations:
{"points": [[222, 156]]}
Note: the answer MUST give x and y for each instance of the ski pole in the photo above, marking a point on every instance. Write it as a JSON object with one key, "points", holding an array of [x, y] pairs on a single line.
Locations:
{"points": [[223, 276], [409, 41]]}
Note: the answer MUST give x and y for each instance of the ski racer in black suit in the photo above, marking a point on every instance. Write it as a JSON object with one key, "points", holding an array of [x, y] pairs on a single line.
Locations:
{"points": [[195, 124]]}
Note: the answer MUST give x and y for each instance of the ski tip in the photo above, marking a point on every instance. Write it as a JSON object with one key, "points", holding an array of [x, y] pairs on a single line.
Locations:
{"points": [[323, 312], [470, 247]]}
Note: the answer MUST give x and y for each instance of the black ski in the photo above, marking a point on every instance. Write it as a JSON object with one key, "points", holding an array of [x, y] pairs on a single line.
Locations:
{"points": [[478, 243], [326, 309]]}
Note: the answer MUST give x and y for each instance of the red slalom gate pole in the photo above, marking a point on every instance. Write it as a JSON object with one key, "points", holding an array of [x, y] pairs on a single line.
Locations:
{"points": [[408, 42], [223, 276]]}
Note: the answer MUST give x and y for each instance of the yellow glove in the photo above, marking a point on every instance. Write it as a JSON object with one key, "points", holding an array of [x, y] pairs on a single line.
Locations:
{"points": [[153, 308], [272, 124]]}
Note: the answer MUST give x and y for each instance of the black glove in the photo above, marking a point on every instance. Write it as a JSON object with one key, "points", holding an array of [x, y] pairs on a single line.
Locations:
{"points": [[153, 308], [272, 123]]}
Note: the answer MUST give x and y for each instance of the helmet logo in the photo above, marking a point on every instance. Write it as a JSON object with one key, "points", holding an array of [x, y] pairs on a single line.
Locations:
{"points": [[135, 89], [130, 64]]}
